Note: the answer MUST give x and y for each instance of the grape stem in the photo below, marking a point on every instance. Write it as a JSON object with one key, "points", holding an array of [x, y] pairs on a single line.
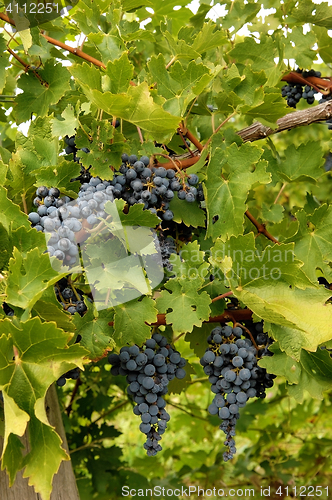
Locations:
{"points": [[69, 408], [248, 331], [227, 294], [261, 227]]}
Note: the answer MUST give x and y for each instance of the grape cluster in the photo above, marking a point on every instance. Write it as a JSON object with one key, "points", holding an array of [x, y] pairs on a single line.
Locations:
{"points": [[70, 297], [167, 247], [71, 148], [296, 91], [60, 220], [230, 361], [148, 371], [72, 374], [154, 187], [7, 309]]}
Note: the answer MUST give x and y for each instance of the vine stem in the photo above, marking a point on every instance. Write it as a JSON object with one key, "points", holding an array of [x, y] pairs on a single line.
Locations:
{"points": [[249, 333], [75, 390], [280, 192], [227, 294], [27, 67], [261, 227]]}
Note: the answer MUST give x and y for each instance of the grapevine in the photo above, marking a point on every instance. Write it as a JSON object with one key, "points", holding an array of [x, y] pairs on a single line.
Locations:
{"points": [[165, 256]]}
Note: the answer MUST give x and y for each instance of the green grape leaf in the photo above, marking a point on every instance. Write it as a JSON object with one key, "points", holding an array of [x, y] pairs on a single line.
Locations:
{"points": [[240, 14], [105, 148], [130, 321], [313, 241], [54, 312], [130, 5], [187, 307], [137, 216], [273, 213], [10, 214], [12, 457], [299, 47], [208, 38], [188, 213], [39, 94], [5, 247], [60, 177], [261, 55], [324, 44], [308, 12], [197, 338], [118, 75], [290, 297], [272, 108], [67, 124], [302, 163], [178, 85], [226, 198], [312, 372], [29, 276], [27, 238], [40, 358], [135, 106], [95, 331]]}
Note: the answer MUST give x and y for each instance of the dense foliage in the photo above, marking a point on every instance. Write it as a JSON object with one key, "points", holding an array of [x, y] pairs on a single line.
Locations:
{"points": [[141, 212]]}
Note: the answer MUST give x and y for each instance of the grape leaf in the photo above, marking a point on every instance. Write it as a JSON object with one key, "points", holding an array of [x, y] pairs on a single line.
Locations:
{"points": [[119, 73], [225, 198], [28, 277], [299, 47], [39, 94], [136, 106], [188, 213], [95, 331], [312, 372], [130, 321], [282, 302], [10, 214], [67, 125], [302, 163], [309, 12], [178, 85], [313, 241], [105, 148], [240, 14], [272, 108], [40, 358], [187, 307], [60, 177], [273, 213]]}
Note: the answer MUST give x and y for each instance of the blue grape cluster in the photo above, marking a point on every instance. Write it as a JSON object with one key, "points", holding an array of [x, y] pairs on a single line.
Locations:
{"points": [[167, 248], [7, 309], [71, 374], [230, 361], [55, 216], [154, 187], [70, 297], [296, 91], [71, 148], [148, 370]]}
